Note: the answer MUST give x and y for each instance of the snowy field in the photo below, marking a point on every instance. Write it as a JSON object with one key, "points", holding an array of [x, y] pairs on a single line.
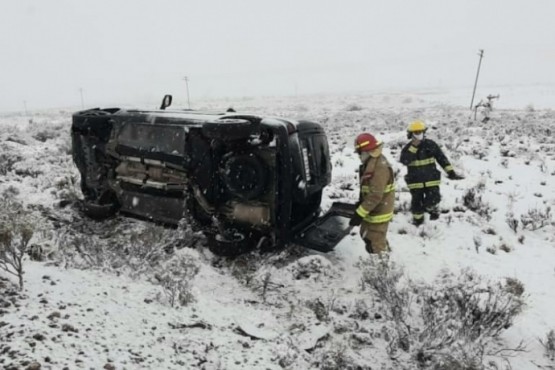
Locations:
{"points": [[96, 301]]}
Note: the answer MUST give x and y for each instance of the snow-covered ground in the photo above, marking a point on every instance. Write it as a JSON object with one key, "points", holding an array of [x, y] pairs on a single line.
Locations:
{"points": [[295, 309]]}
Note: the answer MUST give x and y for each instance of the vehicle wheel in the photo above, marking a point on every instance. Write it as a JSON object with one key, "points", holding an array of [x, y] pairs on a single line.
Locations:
{"points": [[244, 176], [95, 120], [229, 129], [99, 211], [230, 245], [106, 206]]}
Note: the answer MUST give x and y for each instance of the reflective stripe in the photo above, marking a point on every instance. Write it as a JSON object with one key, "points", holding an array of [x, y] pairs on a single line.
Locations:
{"points": [[365, 189], [362, 144], [417, 216], [389, 188], [448, 168], [416, 185], [422, 185], [362, 212], [423, 162], [413, 149], [378, 219]]}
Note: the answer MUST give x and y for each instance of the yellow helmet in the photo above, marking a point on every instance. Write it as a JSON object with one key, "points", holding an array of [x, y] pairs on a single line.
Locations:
{"points": [[416, 126]]}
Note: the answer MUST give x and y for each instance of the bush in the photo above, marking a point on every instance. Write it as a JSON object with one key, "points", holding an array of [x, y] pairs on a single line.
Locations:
{"points": [[472, 200], [16, 231], [383, 276], [353, 108], [460, 319], [311, 267], [449, 324], [176, 278], [7, 161], [512, 222], [549, 345], [122, 246], [536, 218]]}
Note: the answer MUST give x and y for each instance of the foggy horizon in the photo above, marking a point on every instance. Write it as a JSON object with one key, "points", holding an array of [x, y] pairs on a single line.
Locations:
{"points": [[130, 53]]}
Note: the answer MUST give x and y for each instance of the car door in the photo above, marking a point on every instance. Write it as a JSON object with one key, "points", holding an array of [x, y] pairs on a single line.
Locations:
{"points": [[325, 232]]}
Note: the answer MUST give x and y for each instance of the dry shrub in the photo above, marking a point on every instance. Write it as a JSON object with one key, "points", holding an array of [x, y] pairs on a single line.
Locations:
{"points": [[472, 200], [450, 324], [16, 231], [353, 108], [176, 278], [536, 218], [549, 345], [311, 267], [462, 316], [383, 276], [135, 249]]}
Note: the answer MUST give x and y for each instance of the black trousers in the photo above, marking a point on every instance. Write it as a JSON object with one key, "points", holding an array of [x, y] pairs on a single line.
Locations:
{"points": [[424, 200]]}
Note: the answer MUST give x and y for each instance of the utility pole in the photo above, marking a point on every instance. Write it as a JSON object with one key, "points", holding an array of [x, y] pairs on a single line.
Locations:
{"points": [[25, 106], [186, 79], [481, 54], [82, 101]]}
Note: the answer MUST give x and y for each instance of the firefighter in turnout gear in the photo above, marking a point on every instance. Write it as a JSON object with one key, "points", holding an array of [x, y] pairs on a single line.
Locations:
{"points": [[377, 194], [420, 156]]}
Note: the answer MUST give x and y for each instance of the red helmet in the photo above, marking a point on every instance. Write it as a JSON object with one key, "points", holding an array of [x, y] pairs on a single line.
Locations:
{"points": [[366, 143]]}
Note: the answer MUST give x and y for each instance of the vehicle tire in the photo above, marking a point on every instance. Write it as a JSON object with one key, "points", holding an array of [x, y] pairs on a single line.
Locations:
{"points": [[245, 176], [94, 121], [229, 129], [99, 211], [229, 245], [105, 206]]}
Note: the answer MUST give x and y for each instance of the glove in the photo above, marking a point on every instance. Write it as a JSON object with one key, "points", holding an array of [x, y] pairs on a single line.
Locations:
{"points": [[454, 176], [356, 220]]}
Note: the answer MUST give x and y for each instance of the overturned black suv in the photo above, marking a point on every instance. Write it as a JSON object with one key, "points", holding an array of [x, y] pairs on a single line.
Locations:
{"points": [[247, 181]]}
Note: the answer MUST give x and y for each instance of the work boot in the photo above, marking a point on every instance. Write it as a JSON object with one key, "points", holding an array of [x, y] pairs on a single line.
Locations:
{"points": [[368, 245], [434, 215], [418, 221]]}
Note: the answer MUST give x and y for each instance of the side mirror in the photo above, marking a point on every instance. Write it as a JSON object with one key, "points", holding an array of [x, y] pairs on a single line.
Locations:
{"points": [[166, 102]]}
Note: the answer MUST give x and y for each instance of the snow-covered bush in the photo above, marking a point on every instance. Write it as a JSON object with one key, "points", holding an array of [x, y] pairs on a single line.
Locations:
{"points": [[536, 218], [472, 199], [287, 354], [176, 278], [353, 107], [449, 324], [122, 246], [16, 231], [45, 135], [460, 317], [549, 345], [7, 160], [383, 276], [311, 267], [336, 358], [512, 222]]}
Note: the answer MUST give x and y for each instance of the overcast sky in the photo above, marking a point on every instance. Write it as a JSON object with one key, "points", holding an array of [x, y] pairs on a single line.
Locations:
{"points": [[127, 52]]}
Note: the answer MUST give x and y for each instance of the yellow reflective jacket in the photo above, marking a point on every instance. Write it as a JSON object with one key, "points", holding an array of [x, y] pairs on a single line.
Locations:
{"points": [[377, 190]]}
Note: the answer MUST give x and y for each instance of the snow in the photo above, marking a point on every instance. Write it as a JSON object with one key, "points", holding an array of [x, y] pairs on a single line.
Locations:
{"points": [[259, 311]]}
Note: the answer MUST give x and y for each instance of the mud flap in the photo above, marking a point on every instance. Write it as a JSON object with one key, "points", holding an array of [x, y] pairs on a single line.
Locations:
{"points": [[328, 230]]}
